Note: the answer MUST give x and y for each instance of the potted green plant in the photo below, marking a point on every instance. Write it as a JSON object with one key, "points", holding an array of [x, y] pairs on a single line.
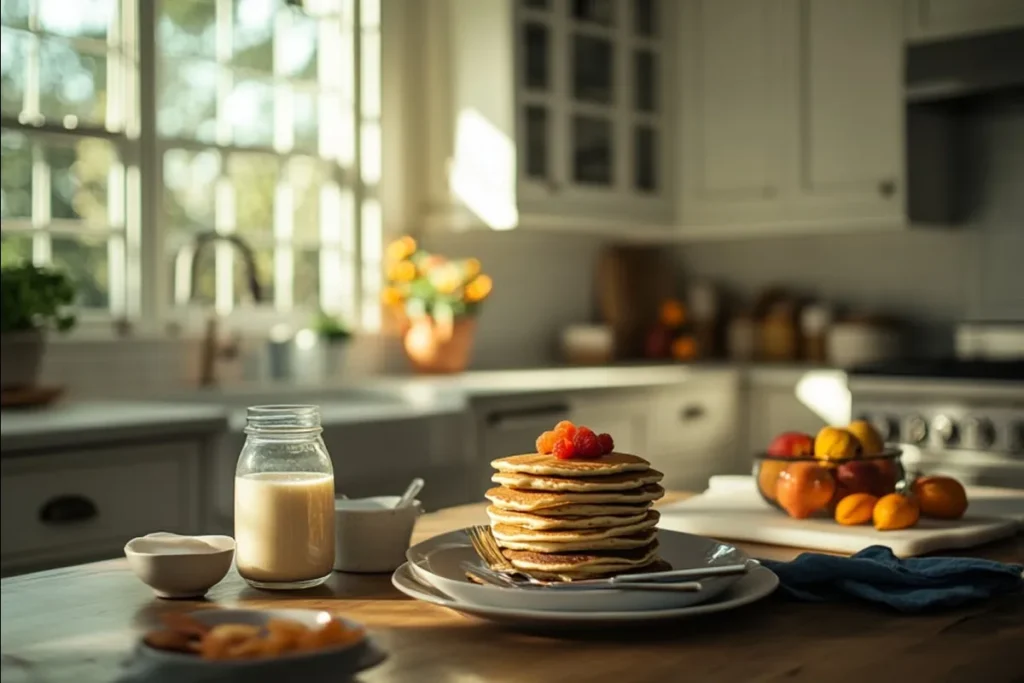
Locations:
{"points": [[33, 300]]}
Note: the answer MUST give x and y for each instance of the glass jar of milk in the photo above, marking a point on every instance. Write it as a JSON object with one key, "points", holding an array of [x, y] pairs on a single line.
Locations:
{"points": [[284, 500]]}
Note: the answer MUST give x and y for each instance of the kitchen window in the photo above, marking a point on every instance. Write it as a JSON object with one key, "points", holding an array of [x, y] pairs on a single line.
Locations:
{"points": [[131, 127]]}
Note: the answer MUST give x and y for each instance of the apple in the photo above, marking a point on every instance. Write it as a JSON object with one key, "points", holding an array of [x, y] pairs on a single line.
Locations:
{"points": [[791, 445], [861, 477]]}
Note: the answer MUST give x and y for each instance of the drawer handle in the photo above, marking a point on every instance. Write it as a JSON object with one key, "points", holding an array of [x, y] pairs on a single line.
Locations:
{"points": [[691, 412], [67, 510]]}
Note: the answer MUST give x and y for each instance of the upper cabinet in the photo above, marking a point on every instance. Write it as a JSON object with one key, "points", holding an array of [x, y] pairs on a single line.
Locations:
{"points": [[929, 20], [546, 113], [791, 115]]}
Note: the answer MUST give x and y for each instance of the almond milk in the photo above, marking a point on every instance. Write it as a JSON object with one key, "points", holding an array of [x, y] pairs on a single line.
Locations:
{"points": [[284, 528]]}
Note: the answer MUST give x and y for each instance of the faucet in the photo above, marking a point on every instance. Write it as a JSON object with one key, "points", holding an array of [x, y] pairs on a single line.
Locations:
{"points": [[187, 260]]}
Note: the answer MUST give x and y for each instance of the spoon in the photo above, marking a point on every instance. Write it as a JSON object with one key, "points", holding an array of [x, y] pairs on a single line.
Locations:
{"points": [[415, 486]]}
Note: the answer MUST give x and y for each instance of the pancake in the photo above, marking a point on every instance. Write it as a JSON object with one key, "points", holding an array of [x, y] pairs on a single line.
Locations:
{"points": [[585, 510], [656, 565], [550, 466], [533, 521], [608, 482], [589, 562], [638, 539], [531, 501], [516, 533]]}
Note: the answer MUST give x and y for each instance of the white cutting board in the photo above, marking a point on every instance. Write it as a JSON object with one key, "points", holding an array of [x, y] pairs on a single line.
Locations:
{"points": [[732, 509]]}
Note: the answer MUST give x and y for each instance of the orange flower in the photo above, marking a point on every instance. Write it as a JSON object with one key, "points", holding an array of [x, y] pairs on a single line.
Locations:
{"points": [[391, 296], [403, 271], [430, 262], [472, 267], [672, 314], [401, 248], [479, 288]]}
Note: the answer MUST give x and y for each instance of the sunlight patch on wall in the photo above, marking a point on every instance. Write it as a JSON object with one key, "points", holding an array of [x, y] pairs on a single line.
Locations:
{"points": [[483, 175], [826, 394]]}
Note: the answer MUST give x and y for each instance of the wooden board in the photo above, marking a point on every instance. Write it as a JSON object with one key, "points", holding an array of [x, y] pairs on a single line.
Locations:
{"points": [[732, 509]]}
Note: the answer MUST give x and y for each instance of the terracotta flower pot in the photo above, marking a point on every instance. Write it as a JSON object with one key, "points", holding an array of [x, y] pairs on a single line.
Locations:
{"points": [[438, 348], [21, 357]]}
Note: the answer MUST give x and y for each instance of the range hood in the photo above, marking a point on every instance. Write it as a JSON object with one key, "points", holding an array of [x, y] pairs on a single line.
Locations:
{"points": [[965, 67]]}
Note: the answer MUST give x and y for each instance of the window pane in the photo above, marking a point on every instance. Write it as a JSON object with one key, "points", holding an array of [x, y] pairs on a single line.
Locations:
{"points": [[592, 150], [187, 27], [77, 19], [189, 185], [645, 78], [15, 248], [645, 162], [306, 121], [15, 176], [71, 84], [253, 34], [14, 13], [78, 180], [536, 56], [187, 105], [86, 262], [592, 69], [254, 177], [306, 176], [296, 49], [594, 11], [250, 109], [537, 142], [306, 290], [645, 17], [14, 47], [264, 257]]}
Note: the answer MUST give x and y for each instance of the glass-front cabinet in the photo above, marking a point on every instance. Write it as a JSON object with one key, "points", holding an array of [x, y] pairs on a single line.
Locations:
{"points": [[591, 116]]}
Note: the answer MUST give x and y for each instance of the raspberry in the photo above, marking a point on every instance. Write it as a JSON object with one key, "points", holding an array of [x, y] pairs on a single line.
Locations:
{"points": [[566, 429], [607, 445], [586, 443], [546, 442], [564, 449]]}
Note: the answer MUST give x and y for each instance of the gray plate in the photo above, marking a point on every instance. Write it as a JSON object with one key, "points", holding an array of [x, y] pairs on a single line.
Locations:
{"points": [[755, 585], [438, 563]]}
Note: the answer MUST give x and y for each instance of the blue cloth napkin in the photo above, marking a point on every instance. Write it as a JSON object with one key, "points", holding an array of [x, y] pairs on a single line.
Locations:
{"points": [[909, 585]]}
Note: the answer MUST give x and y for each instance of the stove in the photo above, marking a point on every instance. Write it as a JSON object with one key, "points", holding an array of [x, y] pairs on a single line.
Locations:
{"points": [[964, 418]]}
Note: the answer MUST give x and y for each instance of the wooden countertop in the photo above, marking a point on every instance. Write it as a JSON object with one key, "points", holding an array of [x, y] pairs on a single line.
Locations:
{"points": [[78, 623]]}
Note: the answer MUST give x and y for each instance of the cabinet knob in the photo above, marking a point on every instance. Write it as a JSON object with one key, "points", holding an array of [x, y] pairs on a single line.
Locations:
{"points": [[887, 188], [67, 510]]}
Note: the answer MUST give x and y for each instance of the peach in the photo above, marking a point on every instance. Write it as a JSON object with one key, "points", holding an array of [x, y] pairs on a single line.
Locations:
{"points": [[895, 511], [804, 488], [870, 440], [791, 444], [835, 443], [940, 497], [856, 508]]}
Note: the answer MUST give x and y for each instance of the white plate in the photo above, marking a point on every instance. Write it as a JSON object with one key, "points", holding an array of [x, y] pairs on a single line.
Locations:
{"points": [[756, 584], [151, 664], [438, 563]]}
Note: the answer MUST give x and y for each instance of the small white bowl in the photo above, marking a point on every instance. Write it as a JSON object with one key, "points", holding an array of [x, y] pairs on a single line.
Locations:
{"points": [[370, 535], [177, 566]]}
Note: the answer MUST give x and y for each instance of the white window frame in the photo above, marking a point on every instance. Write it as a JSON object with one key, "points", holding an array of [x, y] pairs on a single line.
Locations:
{"points": [[144, 295]]}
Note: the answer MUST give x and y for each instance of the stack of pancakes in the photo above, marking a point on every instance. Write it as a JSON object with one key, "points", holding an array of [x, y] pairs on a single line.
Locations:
{"points": [[575, 519]]}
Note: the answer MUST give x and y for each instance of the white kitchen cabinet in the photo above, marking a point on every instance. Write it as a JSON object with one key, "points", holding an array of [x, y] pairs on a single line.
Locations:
{"points": [[791, 115], [930, 20], [623, 413], [545, 113], [86, 503], [772, 410]]}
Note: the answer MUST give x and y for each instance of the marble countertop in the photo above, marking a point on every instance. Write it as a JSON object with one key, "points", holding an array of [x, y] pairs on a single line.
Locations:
{"points": [[376, 398]]}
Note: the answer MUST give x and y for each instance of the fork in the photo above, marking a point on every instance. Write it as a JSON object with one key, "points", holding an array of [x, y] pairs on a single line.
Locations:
{"points": [[494, 578], [486, 546]]}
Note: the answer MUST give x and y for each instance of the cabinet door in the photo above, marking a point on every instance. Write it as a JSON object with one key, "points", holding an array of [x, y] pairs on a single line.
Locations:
{"points": [[731, 124], [848, 106], [622, 414], [939, 19]]}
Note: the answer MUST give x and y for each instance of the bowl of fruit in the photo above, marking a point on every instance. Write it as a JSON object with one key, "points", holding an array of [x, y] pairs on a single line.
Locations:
{"points": [[805, 475]]}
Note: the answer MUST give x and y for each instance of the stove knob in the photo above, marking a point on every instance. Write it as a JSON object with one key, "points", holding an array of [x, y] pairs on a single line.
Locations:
{"points": [[978, 433], [915, 429], [945, 428], [886, 427]]}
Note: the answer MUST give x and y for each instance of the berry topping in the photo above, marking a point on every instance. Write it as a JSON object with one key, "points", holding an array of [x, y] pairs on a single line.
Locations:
{"points": [[564, 449], [566, 429], [546, 442], [607, 445], [586, 443]]}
